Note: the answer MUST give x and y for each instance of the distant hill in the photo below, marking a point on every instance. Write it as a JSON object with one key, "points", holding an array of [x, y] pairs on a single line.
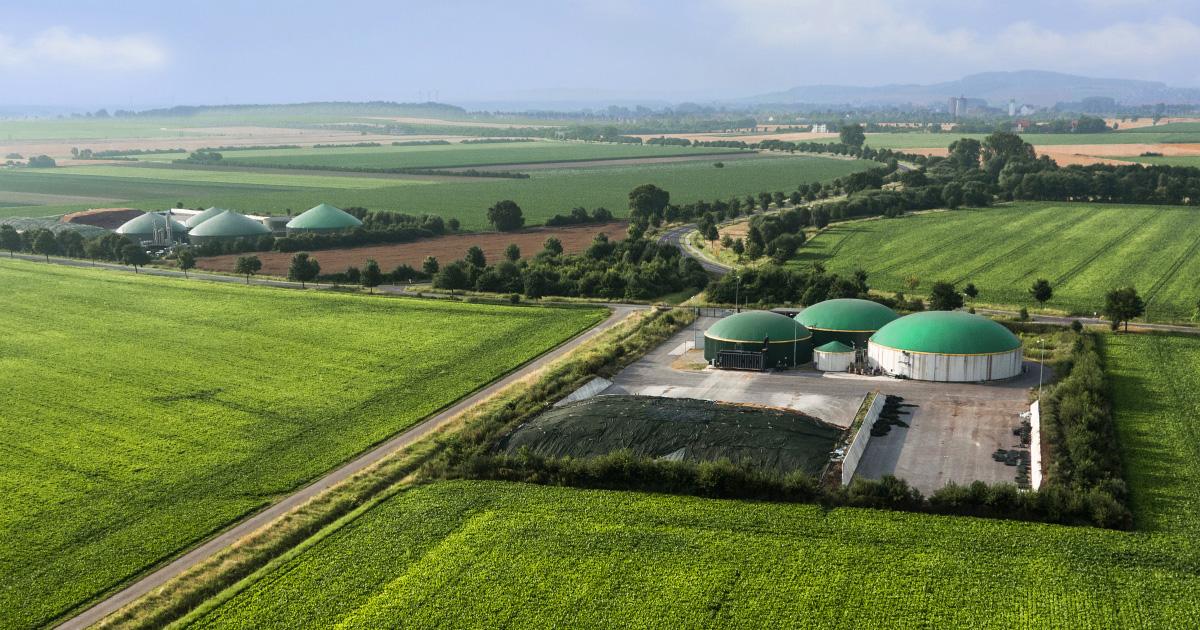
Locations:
{"points": [[1026, 86]]}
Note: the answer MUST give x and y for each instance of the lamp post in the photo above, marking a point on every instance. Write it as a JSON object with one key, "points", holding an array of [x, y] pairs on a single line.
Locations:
{"points": [[737, 280]]}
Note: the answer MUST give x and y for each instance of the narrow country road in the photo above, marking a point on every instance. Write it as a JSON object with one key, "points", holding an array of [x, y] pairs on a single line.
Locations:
{"points": [[676, 238]]}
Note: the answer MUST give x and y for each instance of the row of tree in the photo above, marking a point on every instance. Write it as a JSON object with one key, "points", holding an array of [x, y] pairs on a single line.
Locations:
{"points": [[635, 269]]}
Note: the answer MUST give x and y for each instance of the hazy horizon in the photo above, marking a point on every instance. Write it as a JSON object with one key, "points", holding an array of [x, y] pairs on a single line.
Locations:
{"points": [[139, 54]]}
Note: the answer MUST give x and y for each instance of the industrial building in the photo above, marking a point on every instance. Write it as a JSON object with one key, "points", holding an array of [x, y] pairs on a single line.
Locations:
{"points": [[833, 357], [153, 228], [757, 340], [948, 346], [227, 226], [201, 217], [848, 321], [322, 219]]}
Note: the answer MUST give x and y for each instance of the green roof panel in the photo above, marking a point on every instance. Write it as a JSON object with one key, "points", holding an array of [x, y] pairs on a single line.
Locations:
{"points": [[197, 219], [946, 332], [753, 326], [230, 224], [323, 217], [148, 223], [834, 347], [847, 315]]}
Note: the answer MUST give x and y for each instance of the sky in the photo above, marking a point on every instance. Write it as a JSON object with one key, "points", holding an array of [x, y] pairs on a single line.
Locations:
{"points": [[134, 54]]}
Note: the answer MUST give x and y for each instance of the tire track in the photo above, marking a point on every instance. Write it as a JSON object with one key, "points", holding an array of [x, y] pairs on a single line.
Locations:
{"points": [[1100, 251], [1172, 270], [993, 263]]}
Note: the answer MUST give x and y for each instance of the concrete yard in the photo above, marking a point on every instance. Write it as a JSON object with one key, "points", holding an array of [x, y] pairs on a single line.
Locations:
{"points": [[953, 431]]}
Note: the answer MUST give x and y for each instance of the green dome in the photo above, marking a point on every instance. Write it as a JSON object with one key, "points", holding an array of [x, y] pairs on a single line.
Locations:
{"points": [[148, 223], [753, 326], [847, 315], [834, 347], [197, 219], [946, 332], [323, 217], [230, 224]]}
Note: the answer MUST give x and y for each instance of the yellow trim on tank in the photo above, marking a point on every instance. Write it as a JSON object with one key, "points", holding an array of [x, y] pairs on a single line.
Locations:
{"points": [[707, 336], [946, 354], [840, 330]]}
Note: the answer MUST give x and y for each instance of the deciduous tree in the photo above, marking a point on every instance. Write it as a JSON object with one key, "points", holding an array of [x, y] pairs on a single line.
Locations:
{"points": [[303, 269], [512, 253], [134, 256], [1041, 290], [371, 276], [186, 259], [944, 297], [1122, 305], [506, 216], [247, 266], [9, 239]]}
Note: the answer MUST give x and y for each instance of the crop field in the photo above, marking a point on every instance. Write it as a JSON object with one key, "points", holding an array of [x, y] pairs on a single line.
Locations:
{"points": [[482, 554], [143, 414], [903, 141], [1082, 249], [204, 176], [1168, 160], [1178, 127], [546, 193], [84, 129], [462, 155], [117, 188]]}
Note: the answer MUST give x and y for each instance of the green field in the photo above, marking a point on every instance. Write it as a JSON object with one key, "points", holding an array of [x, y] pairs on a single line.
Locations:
{"points": [[138, 174], [461, 155], [91, 129], [111, 186], [142, 414], [485, 555], [1167, 160], [546, 193], [1179, 127], [1082, 249], [937, 140]]}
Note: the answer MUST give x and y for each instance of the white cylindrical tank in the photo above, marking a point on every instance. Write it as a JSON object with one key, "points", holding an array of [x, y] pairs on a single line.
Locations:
{"points": [[833, 357], [945, 367], [946, 346]]}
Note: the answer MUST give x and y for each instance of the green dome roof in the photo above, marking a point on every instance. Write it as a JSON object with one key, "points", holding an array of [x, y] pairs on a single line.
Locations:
{"points": [[835, 347], [946, 332], [753, 326], [847, 315], [323, 217], [197, 219], [230, 224], [148, 223]]}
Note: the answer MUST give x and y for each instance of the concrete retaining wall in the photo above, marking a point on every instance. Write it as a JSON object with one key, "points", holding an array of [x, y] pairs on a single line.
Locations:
{"points": [[1035, 445], [591, 388], [859, 445]]}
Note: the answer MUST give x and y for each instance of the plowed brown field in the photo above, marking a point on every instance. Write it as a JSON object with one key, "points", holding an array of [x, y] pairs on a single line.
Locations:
{"points": [[575, 239]]}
